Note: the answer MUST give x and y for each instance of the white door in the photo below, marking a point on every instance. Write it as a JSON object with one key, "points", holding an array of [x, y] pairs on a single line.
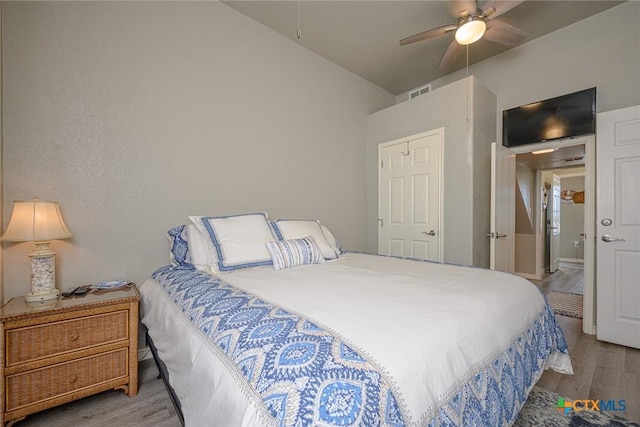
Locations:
{"points": [[618, 226], [554, 224], [503, 203], [410, 197]]}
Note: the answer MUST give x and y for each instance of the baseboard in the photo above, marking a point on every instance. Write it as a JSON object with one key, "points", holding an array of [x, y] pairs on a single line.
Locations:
{"points": [[581, 261]]}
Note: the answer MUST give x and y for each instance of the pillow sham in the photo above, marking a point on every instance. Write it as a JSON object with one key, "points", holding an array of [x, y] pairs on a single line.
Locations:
{"points": [[238, 240], [333, 242], [202, 256], [294, 252], [179, 246], [287, 229]]}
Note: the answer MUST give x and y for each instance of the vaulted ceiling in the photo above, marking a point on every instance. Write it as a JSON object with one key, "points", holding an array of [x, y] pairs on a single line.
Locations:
{"points": [[363, 36]]}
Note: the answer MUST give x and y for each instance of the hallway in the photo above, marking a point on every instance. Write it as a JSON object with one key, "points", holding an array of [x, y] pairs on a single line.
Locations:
{"points": [[569, 278]]}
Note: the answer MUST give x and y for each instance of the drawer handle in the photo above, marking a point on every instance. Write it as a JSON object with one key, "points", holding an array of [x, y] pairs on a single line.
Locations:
{"points": [[74, 336], [73, 378]]}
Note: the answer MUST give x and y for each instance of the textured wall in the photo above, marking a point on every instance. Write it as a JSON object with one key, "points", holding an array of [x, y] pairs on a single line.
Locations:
{"points": [[134, 115]]}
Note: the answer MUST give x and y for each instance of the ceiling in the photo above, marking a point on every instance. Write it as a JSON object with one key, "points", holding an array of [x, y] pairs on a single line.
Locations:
{"points": [[562, 157], [363, 36]]}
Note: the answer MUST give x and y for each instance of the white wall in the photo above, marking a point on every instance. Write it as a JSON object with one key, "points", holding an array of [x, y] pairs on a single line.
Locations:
{"points": [[134, 115], [600, 51], [571, 221]]}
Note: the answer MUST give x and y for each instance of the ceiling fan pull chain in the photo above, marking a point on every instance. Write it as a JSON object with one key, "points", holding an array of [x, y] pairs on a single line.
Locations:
{"points": [[467, 60], [299, 32], [467, 94]]}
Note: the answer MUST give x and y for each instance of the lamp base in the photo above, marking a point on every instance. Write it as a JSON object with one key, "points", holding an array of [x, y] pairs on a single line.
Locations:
{"points": [[48, 295]]}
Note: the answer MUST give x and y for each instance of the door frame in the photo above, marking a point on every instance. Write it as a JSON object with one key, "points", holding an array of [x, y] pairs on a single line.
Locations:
{"points": [[405, 140], [555, 215], [503, 174], [589, 142]]}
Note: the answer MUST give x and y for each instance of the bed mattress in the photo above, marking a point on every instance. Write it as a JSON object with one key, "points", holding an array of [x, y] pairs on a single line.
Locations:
{"points": [[438, 344]]}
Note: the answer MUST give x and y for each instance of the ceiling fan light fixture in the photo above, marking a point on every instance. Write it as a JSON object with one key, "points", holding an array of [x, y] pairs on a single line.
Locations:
{"points": [[470, 31]]}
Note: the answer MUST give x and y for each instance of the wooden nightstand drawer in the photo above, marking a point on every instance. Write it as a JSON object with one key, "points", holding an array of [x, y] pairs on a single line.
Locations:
{"points": [[53, 381], [37, 342], [66, 350]]}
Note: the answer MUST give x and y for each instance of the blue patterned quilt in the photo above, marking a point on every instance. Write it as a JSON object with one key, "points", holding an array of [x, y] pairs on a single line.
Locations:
{"points": [[306, 376]]}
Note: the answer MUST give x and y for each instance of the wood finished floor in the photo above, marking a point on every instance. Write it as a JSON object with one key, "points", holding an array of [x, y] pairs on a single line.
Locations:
{"points": [[602, 371], [150, 408], [568, 278]]}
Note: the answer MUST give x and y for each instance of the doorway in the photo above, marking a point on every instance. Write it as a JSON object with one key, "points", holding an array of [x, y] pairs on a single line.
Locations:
{"points": [[564, 236], [531, 241], [564, 217]]}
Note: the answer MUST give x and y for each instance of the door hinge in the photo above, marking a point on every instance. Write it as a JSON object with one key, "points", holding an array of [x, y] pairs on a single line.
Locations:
{"points": [[381, 164]]}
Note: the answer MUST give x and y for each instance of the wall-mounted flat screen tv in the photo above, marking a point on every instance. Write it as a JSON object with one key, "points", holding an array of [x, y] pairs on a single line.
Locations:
{"points": [[561, 117]]}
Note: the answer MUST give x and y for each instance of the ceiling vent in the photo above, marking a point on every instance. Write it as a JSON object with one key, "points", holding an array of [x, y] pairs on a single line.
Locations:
{"points": [[420, 91]]}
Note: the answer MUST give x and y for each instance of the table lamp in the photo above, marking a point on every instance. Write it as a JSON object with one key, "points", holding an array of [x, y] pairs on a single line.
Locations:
{"points": [[38, 222]]}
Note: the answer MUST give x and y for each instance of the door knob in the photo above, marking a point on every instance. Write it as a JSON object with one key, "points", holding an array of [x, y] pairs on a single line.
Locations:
{"points": [[607, 238], [430, 233]]}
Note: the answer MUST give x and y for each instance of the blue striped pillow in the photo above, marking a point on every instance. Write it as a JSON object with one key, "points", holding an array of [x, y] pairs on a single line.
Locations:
{"points": [[294, 252]]}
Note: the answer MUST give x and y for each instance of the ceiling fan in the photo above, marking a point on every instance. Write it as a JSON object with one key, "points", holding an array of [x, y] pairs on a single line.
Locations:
{"points": [[473, 24]]}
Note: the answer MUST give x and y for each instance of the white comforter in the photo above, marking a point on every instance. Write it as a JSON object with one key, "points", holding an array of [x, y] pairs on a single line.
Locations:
{"points": [[430, 327]]}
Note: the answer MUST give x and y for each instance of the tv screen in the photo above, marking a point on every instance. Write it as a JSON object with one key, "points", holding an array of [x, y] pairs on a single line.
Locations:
{"points": [[561, 117]]}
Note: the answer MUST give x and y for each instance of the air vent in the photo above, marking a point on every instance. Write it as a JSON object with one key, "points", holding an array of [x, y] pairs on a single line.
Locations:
{"points": [[420, 91]]}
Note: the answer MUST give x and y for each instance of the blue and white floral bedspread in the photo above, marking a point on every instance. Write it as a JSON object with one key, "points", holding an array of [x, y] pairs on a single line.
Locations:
{"points": [[305, 375]]}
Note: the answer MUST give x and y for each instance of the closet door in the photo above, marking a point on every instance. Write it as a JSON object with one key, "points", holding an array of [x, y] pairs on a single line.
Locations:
{"points": [[410, 197]]}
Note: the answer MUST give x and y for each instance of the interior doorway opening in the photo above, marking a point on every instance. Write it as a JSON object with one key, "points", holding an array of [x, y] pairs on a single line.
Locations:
{"points": [[563, 230], [549, 222], [531, 240]]}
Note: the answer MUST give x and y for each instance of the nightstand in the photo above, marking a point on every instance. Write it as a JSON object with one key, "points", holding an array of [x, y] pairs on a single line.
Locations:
{"points": [[53, 354]]}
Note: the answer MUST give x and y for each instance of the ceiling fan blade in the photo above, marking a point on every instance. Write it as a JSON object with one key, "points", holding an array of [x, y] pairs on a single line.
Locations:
{"points": [[462, 8], [449, 54], [503, 33], [429, 34], [496, 8]]}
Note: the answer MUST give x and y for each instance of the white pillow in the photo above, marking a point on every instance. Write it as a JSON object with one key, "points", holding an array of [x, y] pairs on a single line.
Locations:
{"points": [[294, 252], [238, 240], [332, 240], [203, 255], [287, 229]]}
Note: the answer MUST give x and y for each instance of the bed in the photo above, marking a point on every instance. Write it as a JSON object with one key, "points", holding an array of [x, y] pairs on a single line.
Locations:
{"points": [[305, 336]]}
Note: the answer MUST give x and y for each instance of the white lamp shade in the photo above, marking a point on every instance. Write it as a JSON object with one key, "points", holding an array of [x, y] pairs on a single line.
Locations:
{"points": [[471, 31], [36, 221]]}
